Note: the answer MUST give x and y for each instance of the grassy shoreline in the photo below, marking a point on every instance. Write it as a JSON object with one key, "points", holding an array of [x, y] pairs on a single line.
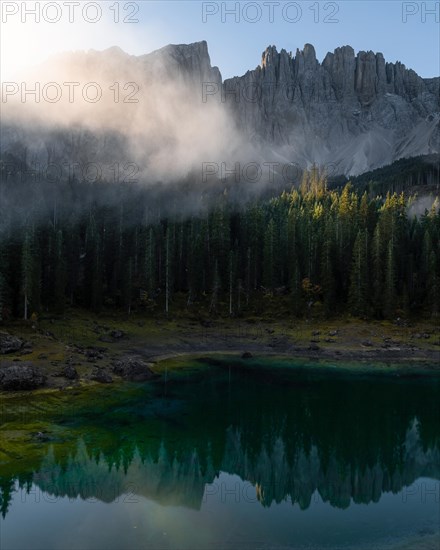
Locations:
{"points": [[85, 341]]}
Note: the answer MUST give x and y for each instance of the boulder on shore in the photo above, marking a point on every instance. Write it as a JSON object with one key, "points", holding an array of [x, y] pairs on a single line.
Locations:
{"points": [[9, 343], [101, 375], [70, 372], [134, 369], [21, 377], [114, 336]]}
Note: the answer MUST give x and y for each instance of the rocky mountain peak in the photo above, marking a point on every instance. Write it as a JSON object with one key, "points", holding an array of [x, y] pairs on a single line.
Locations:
{"points": [[269, 57], [191, 61], [307, 54], [353, 110]]}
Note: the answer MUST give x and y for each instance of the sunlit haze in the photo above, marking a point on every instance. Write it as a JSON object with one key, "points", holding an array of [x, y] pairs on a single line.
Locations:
{"points": [[236, 36]]}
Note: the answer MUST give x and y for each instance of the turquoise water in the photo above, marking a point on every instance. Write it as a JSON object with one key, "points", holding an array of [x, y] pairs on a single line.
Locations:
{"points": [[221, 456]]}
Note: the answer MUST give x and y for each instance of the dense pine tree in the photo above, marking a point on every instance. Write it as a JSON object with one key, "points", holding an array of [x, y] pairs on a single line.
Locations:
{"points": [[358, 293], [362, 254]]}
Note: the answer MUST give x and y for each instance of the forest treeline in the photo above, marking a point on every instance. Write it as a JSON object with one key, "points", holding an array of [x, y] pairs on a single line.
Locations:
{"points": [[406, 174], [335, 250]]}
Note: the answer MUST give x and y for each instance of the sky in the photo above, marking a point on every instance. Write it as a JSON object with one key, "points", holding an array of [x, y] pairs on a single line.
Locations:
{"points": [[237, 32]]}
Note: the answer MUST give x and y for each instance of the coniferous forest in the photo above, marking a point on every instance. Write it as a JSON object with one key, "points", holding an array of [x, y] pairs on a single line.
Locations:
{"points": [[337, 250]]}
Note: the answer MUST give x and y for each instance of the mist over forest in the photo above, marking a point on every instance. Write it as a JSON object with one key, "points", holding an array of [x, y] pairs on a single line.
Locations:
{"points": [[156, 179], [219, 296]]}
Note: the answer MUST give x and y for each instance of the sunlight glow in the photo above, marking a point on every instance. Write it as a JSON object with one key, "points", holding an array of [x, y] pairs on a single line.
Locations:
{"points": [[28, 39]]}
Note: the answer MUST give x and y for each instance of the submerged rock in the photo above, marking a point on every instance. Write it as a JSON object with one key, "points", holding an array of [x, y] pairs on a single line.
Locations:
{"points": [[21, 377], [41, 437]]}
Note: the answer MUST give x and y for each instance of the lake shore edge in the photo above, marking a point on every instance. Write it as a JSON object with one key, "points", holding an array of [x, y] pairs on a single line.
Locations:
{"points": [[83, 350]]}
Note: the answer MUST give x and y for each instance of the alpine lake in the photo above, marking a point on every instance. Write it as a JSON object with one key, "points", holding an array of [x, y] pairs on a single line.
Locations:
{"points": [[227, 453]]}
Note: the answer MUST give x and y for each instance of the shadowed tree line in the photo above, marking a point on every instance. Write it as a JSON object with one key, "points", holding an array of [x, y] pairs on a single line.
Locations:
{"points": [[120, 246]]}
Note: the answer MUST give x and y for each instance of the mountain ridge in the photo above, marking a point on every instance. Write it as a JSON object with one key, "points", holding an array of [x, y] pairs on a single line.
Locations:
{"points": [[352, 112]]}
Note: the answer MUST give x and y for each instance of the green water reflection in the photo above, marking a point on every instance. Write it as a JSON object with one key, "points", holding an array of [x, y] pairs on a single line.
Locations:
{"points": [[279, 445]]}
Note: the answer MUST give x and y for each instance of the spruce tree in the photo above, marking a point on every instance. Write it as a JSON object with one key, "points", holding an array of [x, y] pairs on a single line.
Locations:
{"points": [[358, 292], [60, 273], [269, 256], [390, 282], [328, 281], [28, 274]]}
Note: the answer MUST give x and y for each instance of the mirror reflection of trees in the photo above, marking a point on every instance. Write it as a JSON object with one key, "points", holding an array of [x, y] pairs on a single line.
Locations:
{"points": [[349, 439]]}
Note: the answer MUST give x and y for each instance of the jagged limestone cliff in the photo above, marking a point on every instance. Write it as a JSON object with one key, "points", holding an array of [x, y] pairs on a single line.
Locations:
{"points": [[350, 113], [355, 112]]}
